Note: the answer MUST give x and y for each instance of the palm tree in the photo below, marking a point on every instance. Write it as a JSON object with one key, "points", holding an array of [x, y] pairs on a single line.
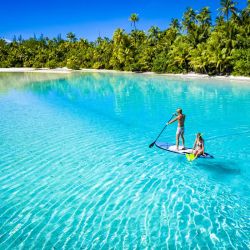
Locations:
{"points": [[133, 19], [175, 24], [204, 17], [189, 19], [153, 33], [118, 36], [204, 24], [71, 37], [219, 21], [227, 6], [245, 14]]}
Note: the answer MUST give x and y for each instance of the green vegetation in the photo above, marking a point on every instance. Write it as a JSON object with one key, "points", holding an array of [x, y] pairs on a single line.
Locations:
{"points": [[133, 19], [191, 44]]}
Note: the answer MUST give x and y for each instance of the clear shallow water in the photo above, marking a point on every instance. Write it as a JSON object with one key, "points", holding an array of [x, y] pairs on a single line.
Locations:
{"points": [[77, 173]]}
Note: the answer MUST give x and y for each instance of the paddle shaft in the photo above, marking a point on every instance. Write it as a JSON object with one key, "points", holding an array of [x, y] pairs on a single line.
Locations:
{"points": [[163, 129]]}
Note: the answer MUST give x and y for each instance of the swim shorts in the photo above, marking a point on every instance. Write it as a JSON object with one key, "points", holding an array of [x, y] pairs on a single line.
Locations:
{"points": [[180, 131]]}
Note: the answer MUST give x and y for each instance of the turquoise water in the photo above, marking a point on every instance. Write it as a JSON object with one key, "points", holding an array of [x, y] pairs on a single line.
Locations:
{"points": [[77, 172]]}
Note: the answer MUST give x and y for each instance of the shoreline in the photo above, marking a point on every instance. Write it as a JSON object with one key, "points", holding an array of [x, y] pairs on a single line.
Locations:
{"points": [[69, 71]]}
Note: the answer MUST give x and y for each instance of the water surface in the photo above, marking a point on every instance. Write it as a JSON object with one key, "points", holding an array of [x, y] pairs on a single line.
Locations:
{"points": [[77, 172]]}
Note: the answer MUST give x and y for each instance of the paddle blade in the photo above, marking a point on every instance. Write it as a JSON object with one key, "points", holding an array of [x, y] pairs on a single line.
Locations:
{"points": [[190, 157], [152, 144]]}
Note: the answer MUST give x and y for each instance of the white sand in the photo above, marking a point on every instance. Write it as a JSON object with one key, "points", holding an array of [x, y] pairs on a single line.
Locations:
{"points": [[197, 76], [66, 70], [43, 70]]}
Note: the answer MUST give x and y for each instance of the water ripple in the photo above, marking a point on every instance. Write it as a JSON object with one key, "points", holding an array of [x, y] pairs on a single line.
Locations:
{"points": [[77, 173]]}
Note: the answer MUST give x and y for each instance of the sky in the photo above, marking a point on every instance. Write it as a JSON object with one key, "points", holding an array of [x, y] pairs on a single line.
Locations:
{"points": [[91, 18]]}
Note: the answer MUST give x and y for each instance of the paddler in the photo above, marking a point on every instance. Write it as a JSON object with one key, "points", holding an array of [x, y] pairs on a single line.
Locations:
{"points": [[180, 128]]}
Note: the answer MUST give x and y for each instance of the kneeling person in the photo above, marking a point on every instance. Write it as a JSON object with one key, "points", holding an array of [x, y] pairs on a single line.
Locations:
{"points": [[198, 148]]}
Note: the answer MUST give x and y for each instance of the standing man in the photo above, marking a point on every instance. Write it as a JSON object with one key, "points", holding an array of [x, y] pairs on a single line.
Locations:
{"points": [[180, 129]]}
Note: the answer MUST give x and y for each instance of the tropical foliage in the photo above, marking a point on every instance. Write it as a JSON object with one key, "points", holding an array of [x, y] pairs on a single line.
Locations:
{"points": [[193, 44]]}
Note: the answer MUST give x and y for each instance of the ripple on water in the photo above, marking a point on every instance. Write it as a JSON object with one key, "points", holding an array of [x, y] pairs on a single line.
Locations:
{"points": [[75, 174]]}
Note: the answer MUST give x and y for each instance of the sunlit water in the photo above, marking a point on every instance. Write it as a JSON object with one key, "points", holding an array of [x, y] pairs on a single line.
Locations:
{"points": [[76, 171]]}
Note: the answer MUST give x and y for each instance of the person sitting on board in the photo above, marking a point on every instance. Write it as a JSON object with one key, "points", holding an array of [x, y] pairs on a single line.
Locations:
{"points": [[180, 128], [198, 148]]}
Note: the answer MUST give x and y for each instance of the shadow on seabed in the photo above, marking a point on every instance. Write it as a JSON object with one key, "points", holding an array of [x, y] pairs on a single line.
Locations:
{"points": [[226, 167]]}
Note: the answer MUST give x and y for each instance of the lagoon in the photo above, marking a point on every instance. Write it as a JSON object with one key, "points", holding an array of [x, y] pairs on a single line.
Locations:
{"points": [[77, 172]]}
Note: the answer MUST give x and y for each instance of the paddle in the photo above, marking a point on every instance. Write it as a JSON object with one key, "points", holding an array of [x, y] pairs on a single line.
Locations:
{"points": [[191, 157], [153, 143]]}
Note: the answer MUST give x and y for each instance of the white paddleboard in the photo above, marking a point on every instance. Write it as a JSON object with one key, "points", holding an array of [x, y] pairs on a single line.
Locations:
{"points": [[172, 148]]}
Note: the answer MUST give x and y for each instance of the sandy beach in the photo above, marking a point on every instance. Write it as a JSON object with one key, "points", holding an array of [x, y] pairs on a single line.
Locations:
{"points": [[68, 71]]}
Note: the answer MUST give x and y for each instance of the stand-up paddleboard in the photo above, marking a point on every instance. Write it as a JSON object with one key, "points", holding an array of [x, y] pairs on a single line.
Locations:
{"points": [[172, 148]]}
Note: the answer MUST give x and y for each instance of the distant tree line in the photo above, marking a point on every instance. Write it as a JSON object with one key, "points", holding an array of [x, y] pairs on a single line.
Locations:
{"points": [[191, 44]]}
